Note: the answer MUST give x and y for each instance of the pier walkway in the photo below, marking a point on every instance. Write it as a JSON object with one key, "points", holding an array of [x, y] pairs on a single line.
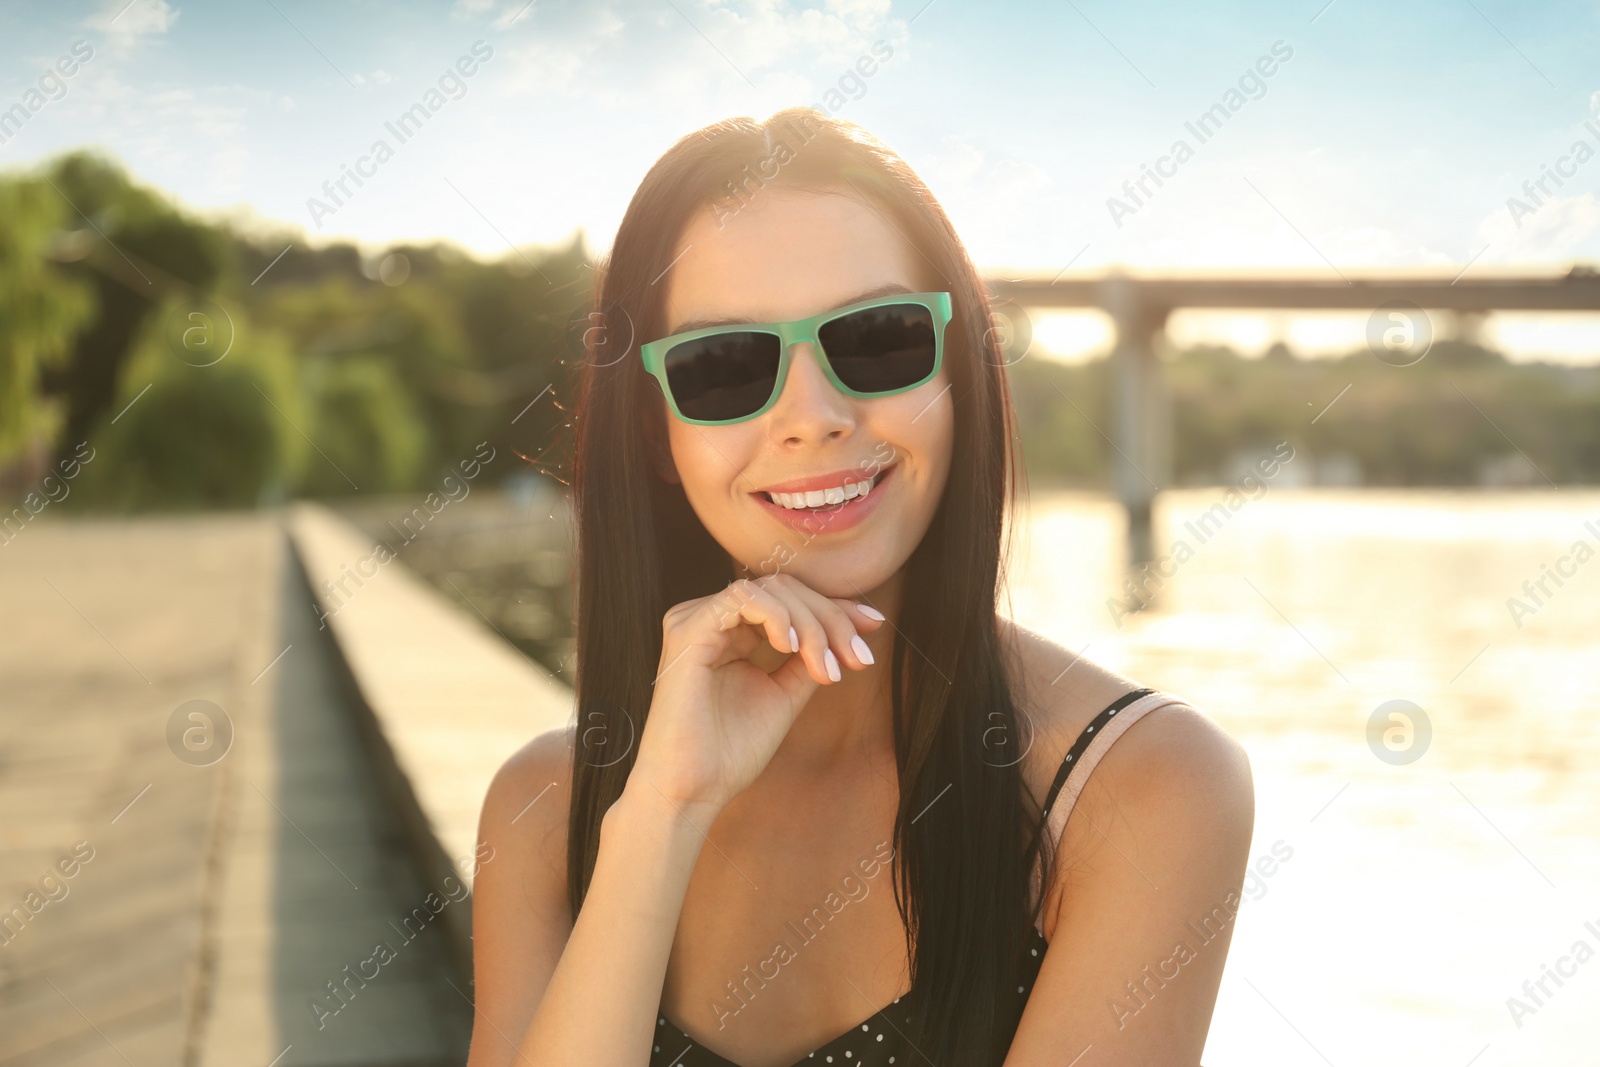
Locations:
{"points": [[213, 811]]}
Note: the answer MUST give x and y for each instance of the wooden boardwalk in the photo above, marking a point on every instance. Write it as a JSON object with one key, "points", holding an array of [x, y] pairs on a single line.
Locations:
{"points": [[210, 903]]}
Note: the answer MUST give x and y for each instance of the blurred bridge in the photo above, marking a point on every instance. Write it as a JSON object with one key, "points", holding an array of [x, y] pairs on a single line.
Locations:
{"points": [[1141, 433]]}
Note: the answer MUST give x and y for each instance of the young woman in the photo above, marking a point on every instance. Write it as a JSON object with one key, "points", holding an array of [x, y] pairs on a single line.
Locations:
{"points": [[821, 803]]}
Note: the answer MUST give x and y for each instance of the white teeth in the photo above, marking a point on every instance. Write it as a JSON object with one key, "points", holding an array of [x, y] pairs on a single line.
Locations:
{"points": [[824, 497]]}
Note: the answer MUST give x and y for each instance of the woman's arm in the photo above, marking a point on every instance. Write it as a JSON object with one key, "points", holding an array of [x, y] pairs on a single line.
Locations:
{"points": [[600, 1005], [551, 992], [1145, 899], [520, 920], [585, 992]]}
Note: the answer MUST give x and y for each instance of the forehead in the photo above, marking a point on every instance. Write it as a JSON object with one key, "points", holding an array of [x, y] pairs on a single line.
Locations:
{"points": [[785, 255]]}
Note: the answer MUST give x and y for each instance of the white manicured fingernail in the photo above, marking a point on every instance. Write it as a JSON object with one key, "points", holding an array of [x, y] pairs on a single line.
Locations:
{"points": [[871, 612], [794, 640], [863, 653], [833, 663]]}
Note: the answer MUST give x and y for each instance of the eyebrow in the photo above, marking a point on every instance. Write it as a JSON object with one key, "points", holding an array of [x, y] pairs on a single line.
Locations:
{"points": [[886, 289]]}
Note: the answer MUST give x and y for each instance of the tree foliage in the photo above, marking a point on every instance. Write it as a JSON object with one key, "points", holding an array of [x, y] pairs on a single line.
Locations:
{"points": [[40, 311], [214, 364]]}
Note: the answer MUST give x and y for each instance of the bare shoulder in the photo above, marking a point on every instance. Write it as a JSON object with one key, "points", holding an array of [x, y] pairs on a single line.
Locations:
{"points": [[1172, 757], [547, 757], [526, 805], [1176, 774], [1057, 693]]}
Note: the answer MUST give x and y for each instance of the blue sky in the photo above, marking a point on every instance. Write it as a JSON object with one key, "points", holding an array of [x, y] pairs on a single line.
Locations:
{"points": [[1393, 135]]}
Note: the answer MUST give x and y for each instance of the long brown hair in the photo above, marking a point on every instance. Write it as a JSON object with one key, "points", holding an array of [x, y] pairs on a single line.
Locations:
{"points": [[966, 832]]}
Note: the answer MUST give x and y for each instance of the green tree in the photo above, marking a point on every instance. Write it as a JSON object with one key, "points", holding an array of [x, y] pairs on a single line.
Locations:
{"points": [[39, 310], [134, 250], [366, 426], [222, 435]]}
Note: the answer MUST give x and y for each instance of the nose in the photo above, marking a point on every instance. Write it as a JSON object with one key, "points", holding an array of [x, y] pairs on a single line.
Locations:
{"points": [[810, 408]]}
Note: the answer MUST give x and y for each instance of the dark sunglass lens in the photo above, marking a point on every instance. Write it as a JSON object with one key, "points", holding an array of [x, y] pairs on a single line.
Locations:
{"points": [[723, 376], [880, 349]]}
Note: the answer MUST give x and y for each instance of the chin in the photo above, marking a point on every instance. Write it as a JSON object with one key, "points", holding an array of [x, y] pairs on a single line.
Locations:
{"points": [[843, 573]]}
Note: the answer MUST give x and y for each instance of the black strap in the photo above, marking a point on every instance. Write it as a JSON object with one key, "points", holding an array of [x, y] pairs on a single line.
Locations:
{"points": [[1078, 746]]}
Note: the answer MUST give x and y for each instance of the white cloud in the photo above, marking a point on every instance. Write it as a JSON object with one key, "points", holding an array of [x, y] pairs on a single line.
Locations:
{"points": [[1376, 246], [1560, 229], [775, 34], [509, 11], [627, 51], [1012, 214], [169, 135], [541, 67], [128, 21], [954, 168]]}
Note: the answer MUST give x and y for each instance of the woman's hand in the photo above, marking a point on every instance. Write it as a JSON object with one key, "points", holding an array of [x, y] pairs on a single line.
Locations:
{"points": [[716, 717]]}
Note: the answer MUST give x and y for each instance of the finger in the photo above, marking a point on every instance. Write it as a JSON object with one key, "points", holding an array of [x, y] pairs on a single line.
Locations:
{"points": [[746, 602], [843, 636], [864, 615], [815, 640], [777, 611], [826, 642], [856, 612]]}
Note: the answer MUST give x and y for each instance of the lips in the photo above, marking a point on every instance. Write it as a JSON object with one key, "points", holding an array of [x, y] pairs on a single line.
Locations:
{"points": [[831, 496], [834, 517], [831, 480]]}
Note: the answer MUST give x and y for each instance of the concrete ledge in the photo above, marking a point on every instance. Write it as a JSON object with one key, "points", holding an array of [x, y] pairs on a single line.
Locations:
{"points": [[444, 702]]}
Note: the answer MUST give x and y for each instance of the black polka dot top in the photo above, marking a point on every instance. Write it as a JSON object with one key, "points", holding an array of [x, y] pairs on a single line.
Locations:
{"points": [[879, 1040]]}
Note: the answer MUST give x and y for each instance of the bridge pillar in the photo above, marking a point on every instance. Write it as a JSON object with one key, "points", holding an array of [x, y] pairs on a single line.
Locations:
{"points": [[1141, 411]]}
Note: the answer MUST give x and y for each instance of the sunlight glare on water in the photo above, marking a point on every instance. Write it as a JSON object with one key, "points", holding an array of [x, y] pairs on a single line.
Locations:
{"points": [[1419, 897]]}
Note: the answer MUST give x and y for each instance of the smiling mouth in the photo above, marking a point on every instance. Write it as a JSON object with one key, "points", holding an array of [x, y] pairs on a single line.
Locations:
{"points": [[824, 499]]}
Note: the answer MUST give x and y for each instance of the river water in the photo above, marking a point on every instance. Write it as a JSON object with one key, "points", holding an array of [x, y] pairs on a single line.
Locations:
{"points": [[1425, 888]]}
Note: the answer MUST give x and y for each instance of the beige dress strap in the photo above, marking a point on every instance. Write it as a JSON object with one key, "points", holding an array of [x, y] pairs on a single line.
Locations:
{"points": [[1085, 754]]}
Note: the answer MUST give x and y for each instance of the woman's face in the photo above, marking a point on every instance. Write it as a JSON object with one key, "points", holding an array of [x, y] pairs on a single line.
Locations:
{"points": [[786, 255]]}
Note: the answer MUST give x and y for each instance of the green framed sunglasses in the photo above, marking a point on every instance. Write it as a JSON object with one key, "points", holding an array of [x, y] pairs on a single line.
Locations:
{"points": [[721, 375]]}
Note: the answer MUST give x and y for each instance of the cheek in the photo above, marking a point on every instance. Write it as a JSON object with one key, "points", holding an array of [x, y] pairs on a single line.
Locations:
{"points": [[920, 427], [927, 428], [689, 460], [707, 460]]}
